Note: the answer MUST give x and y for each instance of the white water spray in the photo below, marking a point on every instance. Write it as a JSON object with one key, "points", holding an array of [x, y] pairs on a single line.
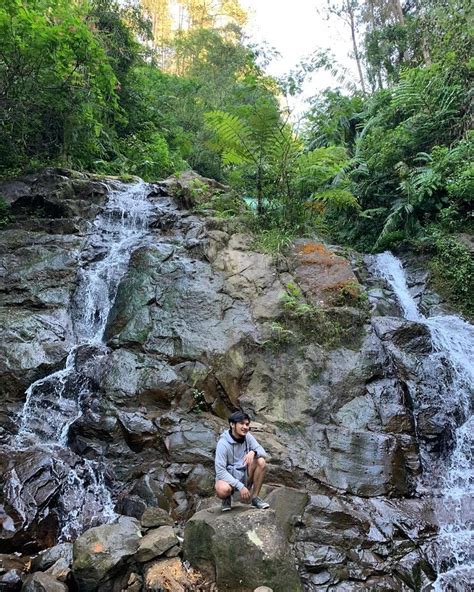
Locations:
{"points": [[453, 339], [54, 403]]}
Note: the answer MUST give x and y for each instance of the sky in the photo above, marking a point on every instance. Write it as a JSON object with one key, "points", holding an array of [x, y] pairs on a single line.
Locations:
{"points": [[296, 28]]}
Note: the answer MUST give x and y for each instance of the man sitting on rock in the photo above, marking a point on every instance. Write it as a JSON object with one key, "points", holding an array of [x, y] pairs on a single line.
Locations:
{"points": [[240, 464]]}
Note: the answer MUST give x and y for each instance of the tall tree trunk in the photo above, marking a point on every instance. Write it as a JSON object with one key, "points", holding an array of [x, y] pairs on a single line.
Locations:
{"points": [[425, 48], [397, 9], [350, 12]]}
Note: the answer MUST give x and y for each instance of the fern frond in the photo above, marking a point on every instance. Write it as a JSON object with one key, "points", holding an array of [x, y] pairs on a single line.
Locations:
{"points": [[232, 137]]}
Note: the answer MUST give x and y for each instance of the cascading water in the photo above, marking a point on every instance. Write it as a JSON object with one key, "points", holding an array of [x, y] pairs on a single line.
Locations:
{"points": [[453, 341], [53, 403]]}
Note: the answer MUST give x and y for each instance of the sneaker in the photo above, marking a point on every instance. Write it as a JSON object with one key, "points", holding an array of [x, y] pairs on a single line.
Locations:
{"points": [[258, 502], [226, 504]]}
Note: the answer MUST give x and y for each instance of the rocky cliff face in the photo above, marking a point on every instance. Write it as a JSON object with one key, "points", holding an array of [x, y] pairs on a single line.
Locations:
{"points": [[200, 325]]}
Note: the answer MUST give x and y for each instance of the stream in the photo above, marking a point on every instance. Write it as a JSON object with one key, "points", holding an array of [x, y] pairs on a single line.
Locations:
{"points": [[55, 402], [453, 345]]}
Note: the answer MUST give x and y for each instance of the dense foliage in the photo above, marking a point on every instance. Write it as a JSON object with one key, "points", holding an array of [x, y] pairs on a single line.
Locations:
{"points": [[114, 88], [410, 140], [77, 88]]}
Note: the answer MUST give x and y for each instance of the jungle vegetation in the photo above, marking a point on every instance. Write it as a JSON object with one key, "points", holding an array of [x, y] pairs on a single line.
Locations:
{"points": [[385, 162]]}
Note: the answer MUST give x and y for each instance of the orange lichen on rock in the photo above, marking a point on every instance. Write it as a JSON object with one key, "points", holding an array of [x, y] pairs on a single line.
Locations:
{"points": [[322, 274], [314, 248], [98, 548], [315, 253]]}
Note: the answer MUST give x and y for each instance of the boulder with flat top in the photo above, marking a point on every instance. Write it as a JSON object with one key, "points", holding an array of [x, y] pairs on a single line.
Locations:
{"points": [[241, 549]]}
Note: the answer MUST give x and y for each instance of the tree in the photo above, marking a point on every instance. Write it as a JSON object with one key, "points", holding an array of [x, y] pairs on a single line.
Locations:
{"points": [[58, 91], [172, 18], [333, 120], [257, 142], [347, 11]]}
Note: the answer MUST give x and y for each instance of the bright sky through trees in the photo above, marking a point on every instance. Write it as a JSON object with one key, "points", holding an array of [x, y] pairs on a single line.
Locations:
{"points": [[296, 29]]}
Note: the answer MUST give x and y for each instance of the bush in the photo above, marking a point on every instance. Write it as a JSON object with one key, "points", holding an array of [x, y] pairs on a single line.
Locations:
{"points": [[5, 215], [453, 273]]}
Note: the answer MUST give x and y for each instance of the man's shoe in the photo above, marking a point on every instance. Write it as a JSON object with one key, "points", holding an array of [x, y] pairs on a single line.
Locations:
{"points": [[258, 502], [226, 504]]}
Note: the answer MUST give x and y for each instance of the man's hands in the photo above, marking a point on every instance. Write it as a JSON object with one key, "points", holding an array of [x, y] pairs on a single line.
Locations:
{"points": [[245, 494], [249, 458]]}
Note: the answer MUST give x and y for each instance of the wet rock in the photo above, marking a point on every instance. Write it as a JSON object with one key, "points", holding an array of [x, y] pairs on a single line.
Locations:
{"points": [[154, 489], [316, 557], [415, 573], [359, 462], [404, 341], [156, 543], [39, 265], [288, 505], [101, 553], [191, 442], [61, 570], [42, 582], [130, 505], [211, 541], [189, 318], [382, 303], [49, 557], [31, 482], [139, 377], [139, 431], [355, 537], [12, 571]]}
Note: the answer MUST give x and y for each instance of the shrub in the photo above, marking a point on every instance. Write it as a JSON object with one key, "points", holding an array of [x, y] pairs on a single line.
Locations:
{"points": [[453, 273], [5, 215]]}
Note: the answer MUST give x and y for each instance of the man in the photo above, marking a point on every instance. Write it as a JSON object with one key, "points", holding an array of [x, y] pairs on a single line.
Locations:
{"points": [[240, 464]]}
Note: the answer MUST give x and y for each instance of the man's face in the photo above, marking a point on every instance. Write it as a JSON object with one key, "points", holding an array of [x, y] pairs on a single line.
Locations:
{"points": [[241, 428]]}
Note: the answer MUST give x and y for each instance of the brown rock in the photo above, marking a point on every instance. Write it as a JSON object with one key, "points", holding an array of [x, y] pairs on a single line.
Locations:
{"points": [[323, 276]]}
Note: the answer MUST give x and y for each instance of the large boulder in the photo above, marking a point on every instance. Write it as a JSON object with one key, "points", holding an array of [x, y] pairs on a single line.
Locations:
{"points": [[325, 278], [169, 305], [101, 553], [241, 549], [191, 189], [30, 481]]}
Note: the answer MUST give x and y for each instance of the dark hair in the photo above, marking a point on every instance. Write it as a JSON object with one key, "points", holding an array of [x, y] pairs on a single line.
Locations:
{"points": [[238, 416]]}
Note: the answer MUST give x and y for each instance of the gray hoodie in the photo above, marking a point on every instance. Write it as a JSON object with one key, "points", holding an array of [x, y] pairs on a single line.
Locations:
{"points": [[230, 466]]}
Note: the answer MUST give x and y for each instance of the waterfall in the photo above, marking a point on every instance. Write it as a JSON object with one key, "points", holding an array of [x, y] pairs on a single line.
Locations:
{"points": [[55, 402], [453, 340]]}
